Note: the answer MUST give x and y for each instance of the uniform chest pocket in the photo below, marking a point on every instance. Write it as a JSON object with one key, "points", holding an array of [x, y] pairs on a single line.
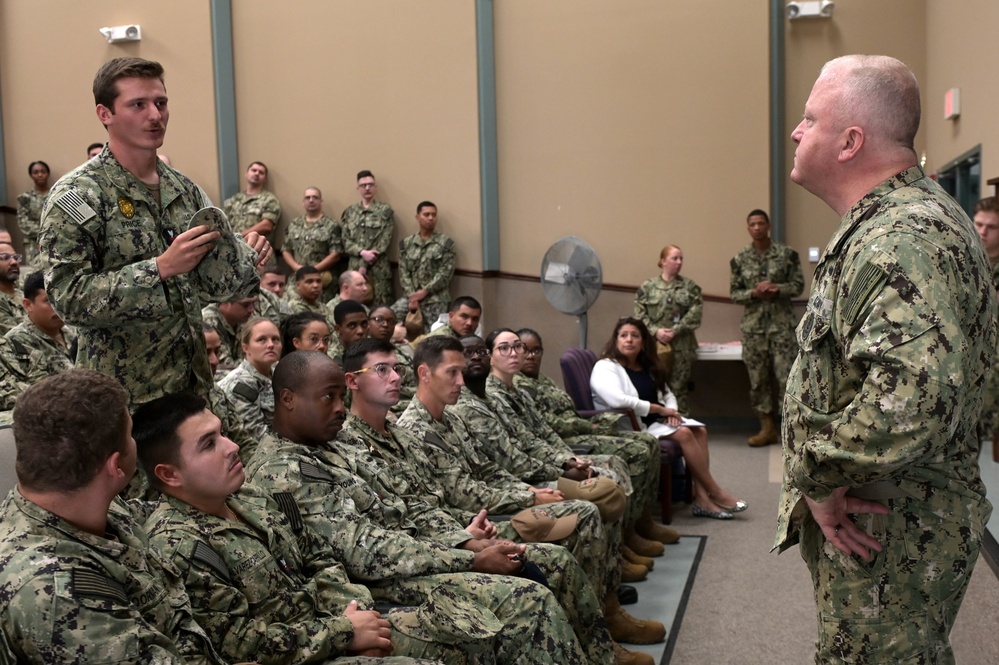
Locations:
{"points": [[811, 381]]}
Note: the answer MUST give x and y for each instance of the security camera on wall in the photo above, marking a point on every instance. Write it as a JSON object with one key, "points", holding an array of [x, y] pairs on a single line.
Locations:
{"points": [[810, 9], [122, 33]]}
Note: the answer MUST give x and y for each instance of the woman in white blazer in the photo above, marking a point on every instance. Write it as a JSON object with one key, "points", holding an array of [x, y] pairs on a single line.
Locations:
{"points": [[628, 375]]}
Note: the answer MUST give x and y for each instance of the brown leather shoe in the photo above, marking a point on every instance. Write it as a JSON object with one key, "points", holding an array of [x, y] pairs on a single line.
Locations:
{"points": [[642, 546], [649, 530], [624, 657], [625, 628], [632, 572], [634, 557]]}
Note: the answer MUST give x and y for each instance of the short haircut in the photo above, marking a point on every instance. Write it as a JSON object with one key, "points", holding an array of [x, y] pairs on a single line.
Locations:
{"points": [[107, 77], [33, 285], [94, 145], [364, 174], [304, 272], [295, 369], [761, 213], [346, 276], [345, 307], [208, 328], [425, 204], [491, 337], [66, 426], [988, 204], [259, 164], [38, 161], [430, 351], [246, 332], [154, 428], [315, 189], [357, 353], [881, 94], [273, 269], [467, 301], [293, 327], [529, 332]]}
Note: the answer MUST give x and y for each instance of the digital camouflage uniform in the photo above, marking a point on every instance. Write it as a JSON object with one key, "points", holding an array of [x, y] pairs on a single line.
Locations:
{"points": [[639, 450], [29, 220], [266, 590], [230, 350], [380, 547], [11, 310], [884, 398], [271, 306], [101, 233], [397, 468], [311, 242], [245, 211], [34, 355], [426, 264], [370, 228], [501, 439], [678, 305], [768, 342], [250, 397], [67, 596], [294, 303], [988, 424], [10, 385]]}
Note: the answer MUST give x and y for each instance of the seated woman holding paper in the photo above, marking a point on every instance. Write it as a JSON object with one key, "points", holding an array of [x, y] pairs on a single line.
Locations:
{"points": [[628, 376]]}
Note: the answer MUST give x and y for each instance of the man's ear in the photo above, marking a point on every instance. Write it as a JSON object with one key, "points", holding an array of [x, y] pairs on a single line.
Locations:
{"points": [[423, 372], [168, 475], [112, 466], [351, 380], [104, 114], [287, 399], [852, 141]]}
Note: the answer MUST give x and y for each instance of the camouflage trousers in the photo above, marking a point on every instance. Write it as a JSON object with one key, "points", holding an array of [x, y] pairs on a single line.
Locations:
{"points": [[535, 629], [900, 607], [640, 452], [768, 358], [679, 377], [594, 545], [988, 422]]}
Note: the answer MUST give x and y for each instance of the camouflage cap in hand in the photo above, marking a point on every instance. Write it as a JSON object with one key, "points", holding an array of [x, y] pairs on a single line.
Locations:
{"points": [[222, 258]]}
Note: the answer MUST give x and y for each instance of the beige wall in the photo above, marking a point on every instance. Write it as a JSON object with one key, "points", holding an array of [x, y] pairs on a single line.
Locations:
{"points": [[49, 53]]}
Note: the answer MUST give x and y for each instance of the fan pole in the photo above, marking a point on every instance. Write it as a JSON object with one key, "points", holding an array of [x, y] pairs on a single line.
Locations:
{"points": [[582, 330]]}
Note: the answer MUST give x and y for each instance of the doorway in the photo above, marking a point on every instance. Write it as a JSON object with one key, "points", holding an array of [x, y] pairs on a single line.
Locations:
{"points": [[962, 178]]}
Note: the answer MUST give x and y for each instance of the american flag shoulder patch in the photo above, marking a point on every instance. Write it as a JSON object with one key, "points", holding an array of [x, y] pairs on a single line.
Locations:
{"points": [[73, 205], [91, 584]]}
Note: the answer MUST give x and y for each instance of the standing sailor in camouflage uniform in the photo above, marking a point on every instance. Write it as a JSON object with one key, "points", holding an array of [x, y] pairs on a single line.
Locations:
{"points": [[426, 268], [29, 209], [765, 276], [880, 447], [119, 257], [314, 239], [256, 210], [367, 229], [670, 306], [11, 312], [78, 578], [264, 587], [377, 544]]}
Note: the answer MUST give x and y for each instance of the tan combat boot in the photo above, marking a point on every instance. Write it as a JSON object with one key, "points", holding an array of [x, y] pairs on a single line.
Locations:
{"points": [[625, 628], [632, 572], [648, 529], [624, 657], [767, 434], [634, 557], [641, 545]]}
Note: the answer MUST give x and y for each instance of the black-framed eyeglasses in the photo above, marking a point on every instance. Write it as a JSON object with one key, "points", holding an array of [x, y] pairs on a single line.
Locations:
{"points": [[535, 352], [507, 349], [381, 320], [477, 352], [384, 370]]}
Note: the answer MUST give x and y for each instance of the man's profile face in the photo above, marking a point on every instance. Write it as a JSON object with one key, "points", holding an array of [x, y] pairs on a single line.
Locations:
{"points": [[817, 136], [427, 218], [10, 263], [208, 461], [128, 458], [238, 312], [759, 227], [353, 328], [987, 225], [464, 320], [312, 201], [309, 287], [140, 115], [41, 313], [274, 282], [367, 187], [212, 345], [477, 361], [256, 175], [318, 412], [357, 288], [445, 381]]}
